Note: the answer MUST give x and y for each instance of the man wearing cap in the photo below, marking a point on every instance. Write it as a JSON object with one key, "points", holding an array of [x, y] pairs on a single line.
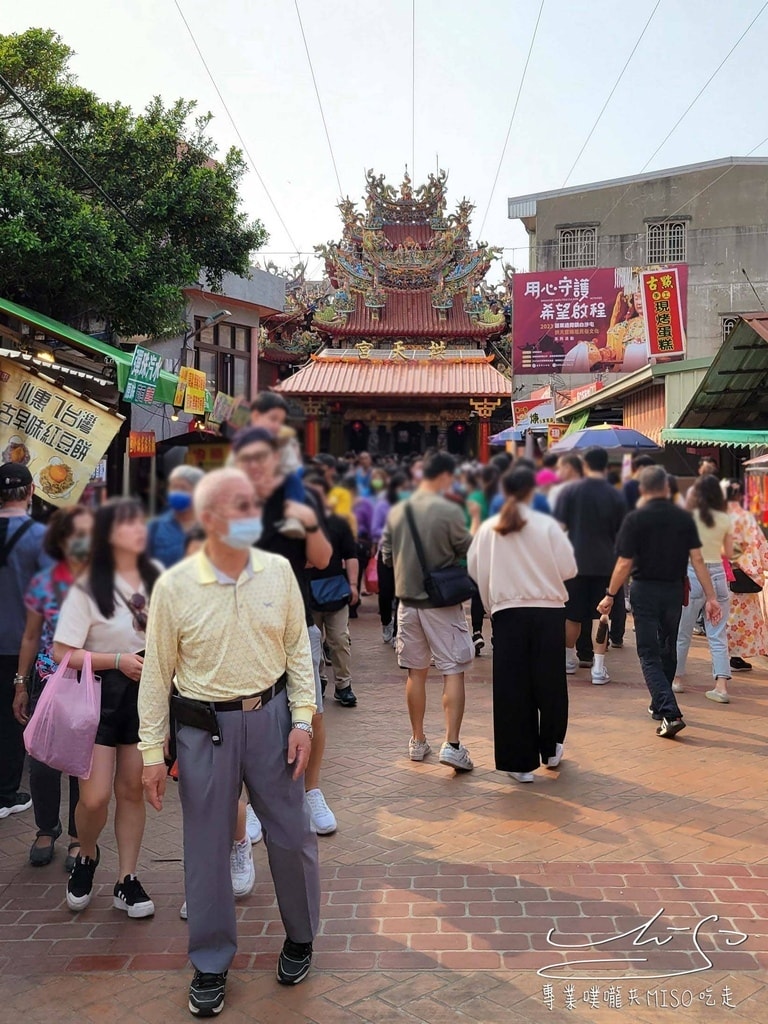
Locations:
{"points": [[21, 556]]}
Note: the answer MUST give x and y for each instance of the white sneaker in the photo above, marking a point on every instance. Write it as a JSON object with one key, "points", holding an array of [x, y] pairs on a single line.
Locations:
{"points": [[252, 825], [241, 868], [320, 814], [458, 759], [418, 749], [387, 632], [677, 687], [554, 761], [521, 776], [571, 664], [183, 911], [600, 676]]}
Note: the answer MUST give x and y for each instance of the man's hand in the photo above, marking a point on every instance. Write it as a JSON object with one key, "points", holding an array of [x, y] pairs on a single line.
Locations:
{"points": [[606, 605], [21, 705], [713, 611], [153, 780], [296, 510], [299, 749]]}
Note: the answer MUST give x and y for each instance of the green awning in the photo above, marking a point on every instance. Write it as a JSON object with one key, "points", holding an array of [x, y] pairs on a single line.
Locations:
{"points": [[166, 385], [718, 438], [578, 422]]}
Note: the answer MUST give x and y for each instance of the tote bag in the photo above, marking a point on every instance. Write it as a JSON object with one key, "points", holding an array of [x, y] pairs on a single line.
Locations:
{"points": [[62, 730]]}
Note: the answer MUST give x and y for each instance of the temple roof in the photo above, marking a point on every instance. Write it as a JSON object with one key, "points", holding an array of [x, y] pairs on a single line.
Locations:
{"points": [[410, 313], [380, 374]]}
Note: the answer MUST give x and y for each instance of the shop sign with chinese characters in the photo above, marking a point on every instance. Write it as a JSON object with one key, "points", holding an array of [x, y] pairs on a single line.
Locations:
{"points": [[190, 391], [143, 376], [54, 432], [587, 321], [142, 444], [555, 432], [663, 313], [521, 410]]}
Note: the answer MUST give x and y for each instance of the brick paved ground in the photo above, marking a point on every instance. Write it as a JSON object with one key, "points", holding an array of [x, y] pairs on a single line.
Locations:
{"points": [[440, 891]]}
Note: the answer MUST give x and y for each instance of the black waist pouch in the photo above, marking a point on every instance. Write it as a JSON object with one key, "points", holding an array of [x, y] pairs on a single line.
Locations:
{"points": [[195, 714]]}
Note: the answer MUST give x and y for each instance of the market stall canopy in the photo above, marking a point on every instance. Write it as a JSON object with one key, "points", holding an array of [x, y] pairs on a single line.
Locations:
{"points": [[166, 385], [733, 396], [704, 437], [605, 436]]}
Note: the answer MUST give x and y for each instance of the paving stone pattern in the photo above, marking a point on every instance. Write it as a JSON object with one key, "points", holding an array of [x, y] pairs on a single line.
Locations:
{"points": [[443, 895]]}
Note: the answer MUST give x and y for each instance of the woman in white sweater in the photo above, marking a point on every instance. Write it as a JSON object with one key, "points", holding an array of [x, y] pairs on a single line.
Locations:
{"points": [[520, 560]]}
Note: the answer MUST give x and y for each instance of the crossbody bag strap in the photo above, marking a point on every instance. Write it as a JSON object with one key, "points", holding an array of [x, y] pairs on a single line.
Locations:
{"points": [[416, 538], [9, 545]]}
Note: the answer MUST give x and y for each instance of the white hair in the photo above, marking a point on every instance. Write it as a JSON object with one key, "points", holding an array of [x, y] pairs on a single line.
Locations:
{"points": [[189, 474], [210, 487]]}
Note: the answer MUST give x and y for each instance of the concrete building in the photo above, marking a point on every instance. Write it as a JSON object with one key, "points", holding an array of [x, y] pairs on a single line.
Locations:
{"points": [[712, 216]]}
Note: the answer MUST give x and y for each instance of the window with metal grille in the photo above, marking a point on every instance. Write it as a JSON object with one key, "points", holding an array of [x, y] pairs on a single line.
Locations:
{"points": [[577, 247], [728, 323], [667, 242]]}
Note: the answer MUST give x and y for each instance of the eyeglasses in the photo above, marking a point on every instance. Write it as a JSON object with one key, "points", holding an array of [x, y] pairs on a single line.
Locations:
{"points": [[255, 457], [137, 605]]}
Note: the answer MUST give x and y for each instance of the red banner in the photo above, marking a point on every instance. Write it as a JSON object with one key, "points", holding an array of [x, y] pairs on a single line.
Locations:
{"points": [[522, 410], [141, 444], [663, 313], [585, 321]]}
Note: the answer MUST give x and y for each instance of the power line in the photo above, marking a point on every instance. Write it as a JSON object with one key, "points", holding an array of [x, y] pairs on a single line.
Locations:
{"points": [[610, 94], [234, 124], [413, 89], [703, 88], [317, 94], [512, 119], [60, 146]]}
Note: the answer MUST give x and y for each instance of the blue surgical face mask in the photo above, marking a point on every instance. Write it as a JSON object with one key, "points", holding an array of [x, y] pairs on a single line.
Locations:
{"points": [[179, 501], [243, 533]]}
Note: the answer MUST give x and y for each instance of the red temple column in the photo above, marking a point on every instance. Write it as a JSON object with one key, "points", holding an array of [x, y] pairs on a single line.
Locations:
{"points": [[484, 408], [312, 411]]}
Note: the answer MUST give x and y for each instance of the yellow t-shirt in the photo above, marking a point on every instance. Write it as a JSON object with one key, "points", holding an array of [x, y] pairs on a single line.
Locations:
{"points": [[712, 537]]}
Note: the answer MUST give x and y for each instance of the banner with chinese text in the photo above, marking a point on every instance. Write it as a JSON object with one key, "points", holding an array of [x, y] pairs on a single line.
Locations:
{"points": [[523, 408], [191, 391], [143, 376], [142, 444], [58, 435], [584, 321], [663, 312], [555, 433]]}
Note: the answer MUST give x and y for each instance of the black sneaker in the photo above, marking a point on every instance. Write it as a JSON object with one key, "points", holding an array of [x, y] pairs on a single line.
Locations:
{"points": [[80, 884], [479, 642], [206, 994], [655, 714], [129, 895], [15, 804], [739, 665], [294, 963], [669, 728], [616, 644], [345, 697], [586, 662]]}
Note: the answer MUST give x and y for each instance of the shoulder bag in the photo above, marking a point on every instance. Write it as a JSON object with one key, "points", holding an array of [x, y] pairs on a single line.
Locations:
{"points": [[444, 587]]}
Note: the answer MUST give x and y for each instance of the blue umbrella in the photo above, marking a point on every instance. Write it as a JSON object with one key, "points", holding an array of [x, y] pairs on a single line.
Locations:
{"points": [[605, 436]]}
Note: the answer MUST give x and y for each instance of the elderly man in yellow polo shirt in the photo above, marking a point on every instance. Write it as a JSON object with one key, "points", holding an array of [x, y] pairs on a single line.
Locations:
{"points": [[228, 623]]}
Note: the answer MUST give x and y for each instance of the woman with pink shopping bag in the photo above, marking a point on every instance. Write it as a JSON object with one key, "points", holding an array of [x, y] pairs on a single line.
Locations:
{"points": [[105, 614]]}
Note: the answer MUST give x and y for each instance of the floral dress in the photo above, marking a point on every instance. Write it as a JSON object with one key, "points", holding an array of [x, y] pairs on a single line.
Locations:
{"points": [[747, 633], [45, 596]]}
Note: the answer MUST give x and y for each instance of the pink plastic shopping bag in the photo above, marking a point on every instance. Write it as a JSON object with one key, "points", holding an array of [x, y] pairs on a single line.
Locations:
{"points": [[62, 730]]}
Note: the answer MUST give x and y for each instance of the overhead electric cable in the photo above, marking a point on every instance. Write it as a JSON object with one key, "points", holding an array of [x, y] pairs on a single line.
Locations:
{"points": [[234, 126], [512, 118], [317, 94], [616, 84], [60, 146]]}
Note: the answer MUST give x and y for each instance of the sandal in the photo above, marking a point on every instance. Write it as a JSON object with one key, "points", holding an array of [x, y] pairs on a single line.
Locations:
{"points": [[69, 863], [40, 856]]}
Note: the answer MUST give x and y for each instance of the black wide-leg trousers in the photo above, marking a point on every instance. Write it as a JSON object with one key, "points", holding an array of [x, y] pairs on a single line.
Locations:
{"points": [[530, 693]]}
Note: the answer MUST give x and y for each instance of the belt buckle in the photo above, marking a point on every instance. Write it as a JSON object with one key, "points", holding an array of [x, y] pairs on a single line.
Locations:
{"points": [[252, 703]]}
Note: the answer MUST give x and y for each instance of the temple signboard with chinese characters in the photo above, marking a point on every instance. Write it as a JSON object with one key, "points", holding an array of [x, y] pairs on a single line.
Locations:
{"points": [[60, 436], [407, 329]]}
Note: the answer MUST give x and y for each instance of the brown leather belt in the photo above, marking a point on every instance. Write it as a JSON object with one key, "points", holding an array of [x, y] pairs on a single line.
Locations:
{"points": [[255, 701]]}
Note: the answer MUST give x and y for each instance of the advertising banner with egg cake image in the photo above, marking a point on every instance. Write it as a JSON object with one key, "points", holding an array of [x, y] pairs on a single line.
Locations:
{"points": [[56, 434], [587, 321]]}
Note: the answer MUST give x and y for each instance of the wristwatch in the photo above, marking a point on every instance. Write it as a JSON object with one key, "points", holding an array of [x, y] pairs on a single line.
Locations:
{"points": [[304, 728], [609, 594], [19, 680], [312, 529]]}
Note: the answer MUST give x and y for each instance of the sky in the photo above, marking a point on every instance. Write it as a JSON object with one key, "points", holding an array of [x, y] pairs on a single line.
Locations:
{"points": [[469, 63]]}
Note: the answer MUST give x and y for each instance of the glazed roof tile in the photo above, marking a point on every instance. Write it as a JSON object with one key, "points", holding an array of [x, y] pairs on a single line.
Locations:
{"points": [[410, 314]]}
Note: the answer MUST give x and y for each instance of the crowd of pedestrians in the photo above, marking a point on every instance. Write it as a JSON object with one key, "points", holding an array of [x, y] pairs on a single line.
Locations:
{"points": [[214, 630]]}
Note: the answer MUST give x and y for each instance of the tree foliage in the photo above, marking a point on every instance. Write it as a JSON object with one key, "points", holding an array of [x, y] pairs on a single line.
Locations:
{"points": [[64, 250]]}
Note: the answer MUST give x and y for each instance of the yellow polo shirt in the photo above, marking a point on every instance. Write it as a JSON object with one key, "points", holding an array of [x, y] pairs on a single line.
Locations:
{"points": [[223, 640]]}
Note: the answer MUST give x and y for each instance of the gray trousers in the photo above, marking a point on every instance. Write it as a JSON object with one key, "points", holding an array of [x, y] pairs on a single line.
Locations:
{"points": [[253, 749]]}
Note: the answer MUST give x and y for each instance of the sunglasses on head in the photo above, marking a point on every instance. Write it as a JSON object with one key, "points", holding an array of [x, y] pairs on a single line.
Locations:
{"points": [[137, 605]]}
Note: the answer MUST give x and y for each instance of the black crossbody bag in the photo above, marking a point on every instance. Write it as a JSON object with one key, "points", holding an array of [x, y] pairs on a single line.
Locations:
{"points": [[444, 587]]}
